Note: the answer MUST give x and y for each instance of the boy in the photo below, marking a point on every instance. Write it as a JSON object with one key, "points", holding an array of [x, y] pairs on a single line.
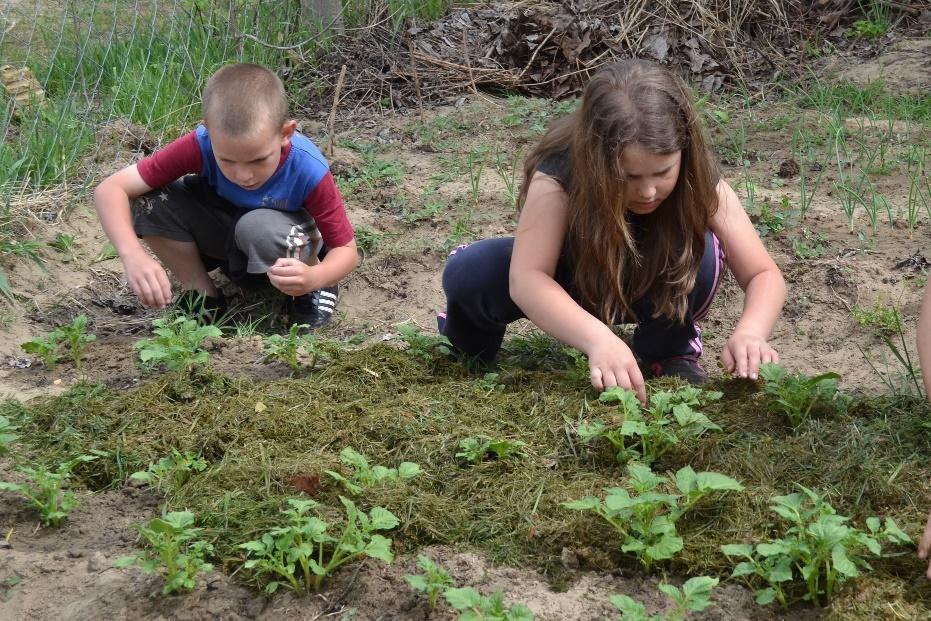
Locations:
{"points": [[244, 192]]}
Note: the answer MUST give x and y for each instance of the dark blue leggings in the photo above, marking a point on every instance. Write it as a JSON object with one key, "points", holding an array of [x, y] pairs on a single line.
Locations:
{"points": [[479, 305]]}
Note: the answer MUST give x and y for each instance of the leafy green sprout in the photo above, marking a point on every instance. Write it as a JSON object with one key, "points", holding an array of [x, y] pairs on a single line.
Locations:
{"points": [[45, 347], [76, 336], [301, 554], [474, 606], [64, 243], [47, 492], [647, 433], [423, 346], [288, 348], [7, 435], [175, 551], [646, 519], [432, 581], [170, 472], [475, 449], [880, 319], [796, 395], [365, 475], [178, 343], [820, 550], [694, 596]]}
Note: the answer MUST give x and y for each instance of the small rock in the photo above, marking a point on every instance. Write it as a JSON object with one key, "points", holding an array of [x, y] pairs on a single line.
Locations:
{"points": [[97, 563], [75, 553], [569, 559]]}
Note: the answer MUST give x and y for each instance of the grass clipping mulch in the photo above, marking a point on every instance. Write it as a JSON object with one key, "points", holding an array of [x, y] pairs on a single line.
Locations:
{"points": [[392, 408]]}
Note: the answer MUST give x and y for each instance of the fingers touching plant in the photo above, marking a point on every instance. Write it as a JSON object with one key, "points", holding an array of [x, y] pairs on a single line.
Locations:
{"points": [[694, 596], [178, 343], [365, 475], [796, 394], [302, 554], [175, 551], [646, 517], [432, 582], [820, 550], [645, 434], [47, 492]]}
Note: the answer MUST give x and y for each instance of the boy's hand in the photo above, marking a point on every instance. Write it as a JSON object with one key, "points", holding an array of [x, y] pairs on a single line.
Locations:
{"points": [[147, 279], [613, 364], [924, 546], [293, 277], [744, 353]]}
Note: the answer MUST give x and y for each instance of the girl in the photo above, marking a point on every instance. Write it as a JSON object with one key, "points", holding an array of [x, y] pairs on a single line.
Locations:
{"points": [[624, 219]]}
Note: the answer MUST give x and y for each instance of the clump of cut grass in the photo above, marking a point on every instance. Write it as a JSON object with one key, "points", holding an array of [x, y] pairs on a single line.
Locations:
{"points": [[389, 406]]}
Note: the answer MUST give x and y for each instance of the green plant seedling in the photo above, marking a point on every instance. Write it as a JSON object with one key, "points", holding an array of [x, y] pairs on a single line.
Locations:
{"points": [[694, 596], [76, 337], [47, 492], [477, 607], [489, 383], [423, 346], [171, 472], [301, 554], [880, 319], [106, 253], [7, 436], [475, 449], [809, 245], [645, 434], [287, 348], [46, 348], [64, 243], [820, 550], [646, 519], [578, 369], [433, 580], [178, 343], [175, 552], [365, 475], [796, 394]]}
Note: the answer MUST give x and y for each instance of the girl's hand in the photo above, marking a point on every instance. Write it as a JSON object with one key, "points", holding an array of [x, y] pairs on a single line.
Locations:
{"points": [[744, 353], [292, 277], [613, 364], [925, 544]]}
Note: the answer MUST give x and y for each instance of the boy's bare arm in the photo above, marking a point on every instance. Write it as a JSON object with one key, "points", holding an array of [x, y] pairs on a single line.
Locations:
{"points": [[111, 200]]}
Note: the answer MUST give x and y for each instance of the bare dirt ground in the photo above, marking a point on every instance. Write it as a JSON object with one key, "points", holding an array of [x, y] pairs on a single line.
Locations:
{"points": [[67, 573]]}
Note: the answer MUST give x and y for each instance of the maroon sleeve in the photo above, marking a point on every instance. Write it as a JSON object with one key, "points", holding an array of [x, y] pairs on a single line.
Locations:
{"points": [[325, 204], [174, 160]]}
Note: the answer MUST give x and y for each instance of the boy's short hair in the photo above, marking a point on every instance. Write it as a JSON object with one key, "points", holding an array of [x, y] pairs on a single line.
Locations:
{"points": [[240, 98]]}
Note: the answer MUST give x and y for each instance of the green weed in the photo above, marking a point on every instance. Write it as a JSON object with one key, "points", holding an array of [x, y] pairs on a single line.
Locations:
{"points": [[176, 552], [647, 433], [432, 581], [647, 519], [796, 395], [171, 472], [694, 596], [477, 607], [365, 475], [64, 243], [177, 344], [75, 335], [301, 554], [423, 346], [819, 549], [288, 348], [880, 319], [47, 492], [45, 347], [475, 449]]}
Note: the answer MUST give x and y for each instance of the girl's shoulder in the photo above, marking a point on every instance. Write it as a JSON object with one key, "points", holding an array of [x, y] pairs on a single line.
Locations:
{"points": [[558, 166]]}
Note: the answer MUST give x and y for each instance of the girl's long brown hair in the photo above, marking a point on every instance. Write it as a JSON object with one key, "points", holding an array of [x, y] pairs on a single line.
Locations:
{"points": [[631, 102]]}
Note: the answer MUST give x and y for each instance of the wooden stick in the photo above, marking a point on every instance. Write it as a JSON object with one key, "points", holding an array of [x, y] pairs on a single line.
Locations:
{"points": [[331, 125], [410, 49], [465, 54]]}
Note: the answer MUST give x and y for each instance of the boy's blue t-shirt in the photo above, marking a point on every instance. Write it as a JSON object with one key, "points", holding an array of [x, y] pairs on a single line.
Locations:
{"points": [[288, 187]]}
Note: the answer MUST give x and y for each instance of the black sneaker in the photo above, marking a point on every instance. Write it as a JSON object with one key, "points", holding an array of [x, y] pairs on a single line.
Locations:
{"points": [[206, 309], [683, 367], [315, 309]]}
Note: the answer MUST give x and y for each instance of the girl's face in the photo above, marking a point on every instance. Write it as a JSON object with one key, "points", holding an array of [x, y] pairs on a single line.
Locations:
{"points": [[651, 177]]}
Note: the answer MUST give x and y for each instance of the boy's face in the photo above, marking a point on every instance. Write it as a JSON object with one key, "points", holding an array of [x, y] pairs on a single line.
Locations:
{"points": [[248, 161]]}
